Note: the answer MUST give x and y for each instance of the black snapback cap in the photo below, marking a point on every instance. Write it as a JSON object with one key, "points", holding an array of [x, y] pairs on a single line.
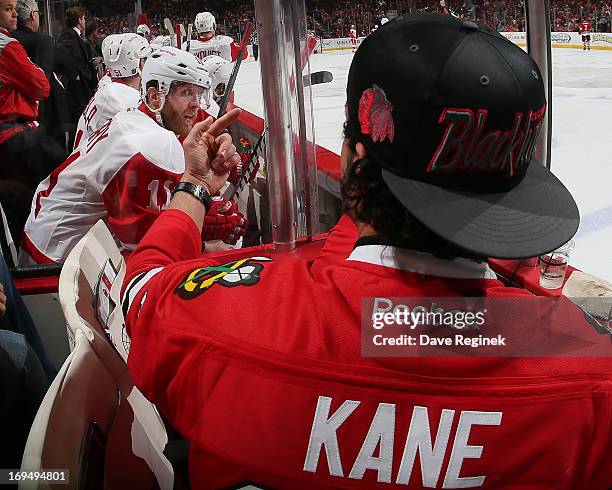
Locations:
{"points": [[452, 112]]}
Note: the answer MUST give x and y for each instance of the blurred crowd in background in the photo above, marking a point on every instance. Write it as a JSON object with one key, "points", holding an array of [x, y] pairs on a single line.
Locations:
{"points": [[334, 18]]}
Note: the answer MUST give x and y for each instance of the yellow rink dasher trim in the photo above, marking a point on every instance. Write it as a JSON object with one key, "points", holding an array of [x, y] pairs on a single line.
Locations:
{"points": [[573, 46], [579, 46], [522, 45]]}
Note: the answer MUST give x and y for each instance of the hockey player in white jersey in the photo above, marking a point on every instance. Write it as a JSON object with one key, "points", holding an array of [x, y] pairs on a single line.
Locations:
{"points": [[124, 56], [220, 71], [353, 37], [144, 31], [125, 172], [210, 44]]}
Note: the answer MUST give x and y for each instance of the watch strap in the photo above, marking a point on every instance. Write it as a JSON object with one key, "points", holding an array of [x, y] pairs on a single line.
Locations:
{"points": [[196, 190]]}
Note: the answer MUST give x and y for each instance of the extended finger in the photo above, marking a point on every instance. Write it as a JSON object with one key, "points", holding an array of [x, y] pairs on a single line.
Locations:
{"points": [[224, 122]]}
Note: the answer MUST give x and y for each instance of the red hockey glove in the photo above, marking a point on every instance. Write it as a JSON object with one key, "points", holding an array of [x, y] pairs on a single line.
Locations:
{"points": [[224, 222]]}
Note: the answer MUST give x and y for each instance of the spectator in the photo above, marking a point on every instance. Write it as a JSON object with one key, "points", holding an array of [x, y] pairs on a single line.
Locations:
{"points": [[93, 38], [14, 317], [82, 82], [23, 382], [53, 112], [22, 388], [424, 212], [26, 154]]}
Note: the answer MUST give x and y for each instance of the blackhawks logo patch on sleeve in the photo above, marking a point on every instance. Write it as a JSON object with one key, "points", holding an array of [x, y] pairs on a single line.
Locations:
{"points": [[243, 272]]}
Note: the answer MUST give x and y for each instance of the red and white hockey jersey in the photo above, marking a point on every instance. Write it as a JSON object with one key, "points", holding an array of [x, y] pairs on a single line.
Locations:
{"points": [[223, 46], [585, 28], [105, 80], [123, 174], [258, 364], [109, 100]]}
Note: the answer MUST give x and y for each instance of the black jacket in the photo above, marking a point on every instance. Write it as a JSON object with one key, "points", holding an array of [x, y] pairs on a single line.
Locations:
{"points": [[54, 114], [40, 47], [81, 80]]}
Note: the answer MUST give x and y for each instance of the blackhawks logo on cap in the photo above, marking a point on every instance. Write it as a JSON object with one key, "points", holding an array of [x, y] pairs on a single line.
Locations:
{"points": [[375, 115], [243, 272]]}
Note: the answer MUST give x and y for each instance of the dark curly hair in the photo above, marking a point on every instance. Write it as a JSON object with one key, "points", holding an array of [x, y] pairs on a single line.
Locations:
{"points": [[367, 199]]}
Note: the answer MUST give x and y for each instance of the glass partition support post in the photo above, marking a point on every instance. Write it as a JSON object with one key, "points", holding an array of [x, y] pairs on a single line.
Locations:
{"points": [[48, 17], [305, 149], [281, 26], [537, 15]]}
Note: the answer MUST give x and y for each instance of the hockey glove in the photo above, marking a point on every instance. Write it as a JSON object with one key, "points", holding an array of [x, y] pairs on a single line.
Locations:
{"points": [[224, 222]]}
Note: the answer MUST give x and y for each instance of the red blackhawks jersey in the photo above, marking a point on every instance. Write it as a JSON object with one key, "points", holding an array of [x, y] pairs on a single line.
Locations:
{"points": [[223, 46], [108, 100], [585, 28], [123, 174], [258, 364]]}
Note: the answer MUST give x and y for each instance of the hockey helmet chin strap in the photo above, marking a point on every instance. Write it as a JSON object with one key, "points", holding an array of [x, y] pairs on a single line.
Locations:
{"points": [[157, 112]]}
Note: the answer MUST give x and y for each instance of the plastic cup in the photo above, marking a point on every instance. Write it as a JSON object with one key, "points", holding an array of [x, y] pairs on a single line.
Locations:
{"points": [[553, 266]]}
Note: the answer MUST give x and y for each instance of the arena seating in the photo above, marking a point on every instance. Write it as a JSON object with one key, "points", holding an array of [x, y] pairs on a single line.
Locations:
{"points": [[333, 19]]}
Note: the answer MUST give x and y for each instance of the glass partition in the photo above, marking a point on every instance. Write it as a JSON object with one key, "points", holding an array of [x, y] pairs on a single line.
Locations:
{"points": [[581, 90]]}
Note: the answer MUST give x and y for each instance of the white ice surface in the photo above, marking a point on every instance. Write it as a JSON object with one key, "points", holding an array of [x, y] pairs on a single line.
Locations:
{"points": [[582, 135]]}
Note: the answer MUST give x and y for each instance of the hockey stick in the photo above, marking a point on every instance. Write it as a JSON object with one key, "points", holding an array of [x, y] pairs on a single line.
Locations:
{"points": [[313, 79], [317, 77], [179, 37], [189, 33], [170, 29], [246, 36], [311, 44]]}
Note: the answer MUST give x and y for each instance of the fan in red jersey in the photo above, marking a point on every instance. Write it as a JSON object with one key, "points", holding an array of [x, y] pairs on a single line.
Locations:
{"points": [[258, 362], [126, 170], [584, 29]]}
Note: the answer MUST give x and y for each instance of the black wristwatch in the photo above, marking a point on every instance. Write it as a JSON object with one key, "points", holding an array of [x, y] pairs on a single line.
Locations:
{"points": [[195, 190]]}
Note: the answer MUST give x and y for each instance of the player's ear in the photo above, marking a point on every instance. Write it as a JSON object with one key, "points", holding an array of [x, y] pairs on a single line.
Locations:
{"points": [[153, 98]]}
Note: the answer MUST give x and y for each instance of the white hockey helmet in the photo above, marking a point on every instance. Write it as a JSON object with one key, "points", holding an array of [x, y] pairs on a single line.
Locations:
{"points": [[220, 71], [167, 65], [160, 42], [205, 22], [143, 30], [383, 21], [122, 54]]}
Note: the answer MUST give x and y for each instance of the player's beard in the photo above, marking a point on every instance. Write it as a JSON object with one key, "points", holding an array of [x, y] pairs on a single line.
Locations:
{"points": [[175, 119]]}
